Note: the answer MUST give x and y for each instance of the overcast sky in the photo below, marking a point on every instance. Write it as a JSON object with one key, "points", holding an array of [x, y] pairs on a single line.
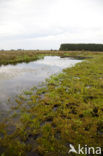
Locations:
{"points": [[45, 24]]}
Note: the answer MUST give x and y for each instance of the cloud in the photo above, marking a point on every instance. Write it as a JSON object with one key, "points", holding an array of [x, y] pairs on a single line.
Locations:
{"points": [[31, 24]]}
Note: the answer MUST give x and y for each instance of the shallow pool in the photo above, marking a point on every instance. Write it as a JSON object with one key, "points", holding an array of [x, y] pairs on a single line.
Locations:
{"points": [[16, 78]]}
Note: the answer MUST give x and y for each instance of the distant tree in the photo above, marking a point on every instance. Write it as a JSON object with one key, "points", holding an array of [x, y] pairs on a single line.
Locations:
{"points": [[19, 49], [12, 50], [2, 50], [76, 47]]}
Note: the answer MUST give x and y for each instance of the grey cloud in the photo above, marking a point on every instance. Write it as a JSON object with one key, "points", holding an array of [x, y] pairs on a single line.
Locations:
{"points": [[49, 22]]}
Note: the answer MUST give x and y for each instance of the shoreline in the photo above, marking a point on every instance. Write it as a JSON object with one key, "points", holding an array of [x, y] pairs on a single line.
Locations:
{"points": [[14, 57], [68, 110]]}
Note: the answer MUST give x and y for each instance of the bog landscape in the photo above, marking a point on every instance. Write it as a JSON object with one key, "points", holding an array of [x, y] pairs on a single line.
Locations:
{"points": [[51, 99]]}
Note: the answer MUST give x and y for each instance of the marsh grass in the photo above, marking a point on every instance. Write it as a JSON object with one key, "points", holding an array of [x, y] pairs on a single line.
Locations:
{"points": [[17, 56], [14, 57], [68, 110]]}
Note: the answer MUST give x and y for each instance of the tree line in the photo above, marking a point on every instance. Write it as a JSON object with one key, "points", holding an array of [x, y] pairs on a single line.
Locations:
{"points": [[76, 47]]}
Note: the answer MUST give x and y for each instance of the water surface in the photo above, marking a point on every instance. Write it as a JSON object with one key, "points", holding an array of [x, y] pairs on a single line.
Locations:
{"points": [[16, 78]]}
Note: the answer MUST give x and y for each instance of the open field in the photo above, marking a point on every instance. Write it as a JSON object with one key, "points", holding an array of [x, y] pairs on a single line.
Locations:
{"points": [[13, 57], [17, 56], [68, 110]]}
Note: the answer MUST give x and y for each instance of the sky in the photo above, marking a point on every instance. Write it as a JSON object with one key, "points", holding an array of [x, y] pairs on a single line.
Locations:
{"points": [[45, 24]]}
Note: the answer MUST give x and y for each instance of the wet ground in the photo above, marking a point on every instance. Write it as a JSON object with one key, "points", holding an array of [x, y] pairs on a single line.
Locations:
{"points": [[14, 79]]}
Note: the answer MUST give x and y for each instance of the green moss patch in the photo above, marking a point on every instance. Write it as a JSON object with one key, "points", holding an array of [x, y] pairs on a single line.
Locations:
{"points": [[68, 110]]}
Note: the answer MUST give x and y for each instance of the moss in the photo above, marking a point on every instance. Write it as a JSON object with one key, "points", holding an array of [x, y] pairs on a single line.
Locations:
{"points": [[28, 92], [68, 110]]}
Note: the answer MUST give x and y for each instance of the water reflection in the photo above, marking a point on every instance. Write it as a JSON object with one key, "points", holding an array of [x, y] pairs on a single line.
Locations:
{"points": [[16, 78]]}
